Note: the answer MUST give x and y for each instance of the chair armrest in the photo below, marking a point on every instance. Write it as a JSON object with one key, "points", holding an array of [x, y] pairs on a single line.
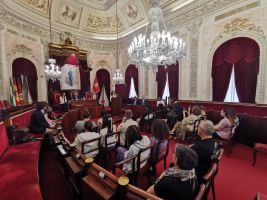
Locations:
{"points": [[120, 164]]}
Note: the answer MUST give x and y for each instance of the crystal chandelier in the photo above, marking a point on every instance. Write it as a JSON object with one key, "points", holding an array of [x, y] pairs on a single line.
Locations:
{"points": [[52, 70], [117, 77], [157, 46]]}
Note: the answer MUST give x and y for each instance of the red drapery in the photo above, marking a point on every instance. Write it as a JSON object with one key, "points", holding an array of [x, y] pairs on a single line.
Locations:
{"points": [[131, 71], [103, 78], [173, 76], [27, 68], [85, 76], [243, 53]]}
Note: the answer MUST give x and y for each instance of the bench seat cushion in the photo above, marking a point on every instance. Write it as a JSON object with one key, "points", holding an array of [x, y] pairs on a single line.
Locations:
{"points": [[19, 172], [261, 147]]}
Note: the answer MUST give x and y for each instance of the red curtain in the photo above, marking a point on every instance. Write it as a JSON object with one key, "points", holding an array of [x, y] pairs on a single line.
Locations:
{"points": [[120, 89], [243, 53], [27, 68], [173, 76], [131, 71], [85, 76], [103, 78]]}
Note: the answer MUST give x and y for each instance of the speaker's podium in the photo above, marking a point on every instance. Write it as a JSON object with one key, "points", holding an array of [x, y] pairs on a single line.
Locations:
{"points": [[116, 105]]}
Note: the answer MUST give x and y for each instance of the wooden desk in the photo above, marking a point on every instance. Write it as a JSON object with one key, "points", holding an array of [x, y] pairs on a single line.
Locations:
{"points": [[91, 105]]}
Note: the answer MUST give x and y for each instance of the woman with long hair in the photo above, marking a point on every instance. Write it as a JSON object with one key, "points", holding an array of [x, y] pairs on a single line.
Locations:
{"points": [[224, 127], [134, 142]]}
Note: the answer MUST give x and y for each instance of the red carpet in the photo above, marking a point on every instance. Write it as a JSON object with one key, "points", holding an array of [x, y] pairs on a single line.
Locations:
{"points": [[237, 178]]}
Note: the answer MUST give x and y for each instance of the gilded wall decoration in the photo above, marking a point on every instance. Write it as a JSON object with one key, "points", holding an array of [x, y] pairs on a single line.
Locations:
{"points": [[41, 6], [69, 14], [102, 64], [238, 25], [102, 24]]}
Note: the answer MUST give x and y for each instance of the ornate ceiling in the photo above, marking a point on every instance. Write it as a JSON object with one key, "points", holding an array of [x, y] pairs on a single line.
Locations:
{"points": [[89, 18]]}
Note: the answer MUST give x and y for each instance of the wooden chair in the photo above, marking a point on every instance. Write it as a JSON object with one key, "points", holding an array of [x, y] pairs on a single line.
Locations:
{"points": [[203, 190], [117, 168], [88, 95], [160, 155], [258, 147], [228, 142], [210, 176], [98, 140], [146, 168], [213, 171], [110, 147]]}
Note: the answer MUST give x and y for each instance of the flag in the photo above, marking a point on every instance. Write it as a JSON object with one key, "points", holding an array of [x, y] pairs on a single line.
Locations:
{"points": [[28, 92], [103, 97], [96, 87], [24, 89], [12, 97], [15, 90], [19, 86]]}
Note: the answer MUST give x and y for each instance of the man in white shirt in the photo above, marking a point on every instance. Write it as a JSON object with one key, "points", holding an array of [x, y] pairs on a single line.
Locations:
{"points": [[126, 122], [85, 136]]}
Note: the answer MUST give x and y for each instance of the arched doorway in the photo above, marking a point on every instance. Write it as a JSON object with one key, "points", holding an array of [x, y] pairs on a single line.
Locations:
{"points": [[23, 66], [103, 78], [242, 53], [131, 72]]}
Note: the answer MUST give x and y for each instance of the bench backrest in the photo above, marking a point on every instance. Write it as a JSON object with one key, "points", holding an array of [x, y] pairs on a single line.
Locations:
{"points": [[22, 120], [3, 139]]}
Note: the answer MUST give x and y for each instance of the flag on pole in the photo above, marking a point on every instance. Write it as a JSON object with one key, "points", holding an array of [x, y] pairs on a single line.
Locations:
{"points": [[19, 86], [24, 89], [96, 87], [12, 97], [103, 97], [15, 89], [28, 93]]}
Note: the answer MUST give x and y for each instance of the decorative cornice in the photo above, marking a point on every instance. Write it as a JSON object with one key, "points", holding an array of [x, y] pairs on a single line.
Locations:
{"points": [[198, 10], [238, 25]]}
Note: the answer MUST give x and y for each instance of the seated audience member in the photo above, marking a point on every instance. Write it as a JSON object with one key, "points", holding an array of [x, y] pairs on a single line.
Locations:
{"points": [[178, 109], [38, 123], [100, 120], [107, 128], [79, 126], [206, 148], [160, 101], [134, 143], [148, 114], [160, 131], [75, 95], [179, 181], [48, 115], [88, 134], [126, 122], [64, 102], [187, 124], [203, 111], [223, 129], [161, 113]]}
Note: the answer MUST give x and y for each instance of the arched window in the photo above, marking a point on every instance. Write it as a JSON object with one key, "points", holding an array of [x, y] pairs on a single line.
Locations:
{"points": [[173, 77], [23, 66], [242, 54], [131, 72]]}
